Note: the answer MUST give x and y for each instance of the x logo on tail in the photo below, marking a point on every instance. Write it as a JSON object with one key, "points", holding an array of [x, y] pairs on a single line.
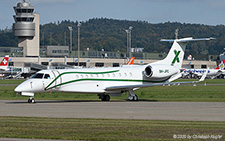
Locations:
{"points": [[176, 58]]}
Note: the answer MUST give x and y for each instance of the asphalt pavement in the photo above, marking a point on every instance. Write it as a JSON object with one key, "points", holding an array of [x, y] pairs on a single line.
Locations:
{"points": [[188, 111]]}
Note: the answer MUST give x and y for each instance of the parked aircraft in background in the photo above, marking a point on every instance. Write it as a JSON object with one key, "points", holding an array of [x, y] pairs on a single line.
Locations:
{"points": [[210, 72], [112, 81], [4, 63], [131, 61]]}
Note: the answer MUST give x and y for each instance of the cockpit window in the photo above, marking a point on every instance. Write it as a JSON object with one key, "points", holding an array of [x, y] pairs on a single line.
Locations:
{"points": [[47, 76], [38, 75]]}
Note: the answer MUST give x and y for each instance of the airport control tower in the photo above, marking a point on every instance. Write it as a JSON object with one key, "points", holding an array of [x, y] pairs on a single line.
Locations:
{"points": [[26, 28]]}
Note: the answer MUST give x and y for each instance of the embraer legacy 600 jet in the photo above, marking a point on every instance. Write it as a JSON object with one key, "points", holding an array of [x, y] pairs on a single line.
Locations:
{"points": [[112, 81]]}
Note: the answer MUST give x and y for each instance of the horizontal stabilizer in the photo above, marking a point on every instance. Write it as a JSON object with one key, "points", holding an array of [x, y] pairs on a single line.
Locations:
{"points": [[190, 39]]}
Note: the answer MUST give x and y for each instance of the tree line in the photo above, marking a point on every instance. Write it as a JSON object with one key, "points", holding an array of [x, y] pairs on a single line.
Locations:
{"points": [[110, 35]]}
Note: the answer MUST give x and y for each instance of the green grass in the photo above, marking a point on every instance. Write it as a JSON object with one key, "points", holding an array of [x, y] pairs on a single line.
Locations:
{"points": [[201, 93], [11, 81], [103, 129]]}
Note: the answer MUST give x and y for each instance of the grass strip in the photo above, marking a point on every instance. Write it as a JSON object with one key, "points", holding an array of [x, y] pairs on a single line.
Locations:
{"points": [[199, 93], [104, 129]]}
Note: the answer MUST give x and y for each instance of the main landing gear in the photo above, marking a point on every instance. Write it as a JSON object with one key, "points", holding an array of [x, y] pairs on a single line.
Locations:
{"points": [[132, 96], [31, 100], [104, 97]]}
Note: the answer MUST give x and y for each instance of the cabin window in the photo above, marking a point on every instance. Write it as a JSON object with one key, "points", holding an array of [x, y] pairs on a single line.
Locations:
{"points": [[130, 74], [38, 75], [47, 76]]}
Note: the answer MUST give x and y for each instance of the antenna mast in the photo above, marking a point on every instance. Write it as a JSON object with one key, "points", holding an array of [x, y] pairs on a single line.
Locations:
{"points": [[176, 33]]}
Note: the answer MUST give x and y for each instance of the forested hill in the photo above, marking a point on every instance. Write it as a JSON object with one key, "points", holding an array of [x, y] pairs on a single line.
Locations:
{"points": [[109, 34]]}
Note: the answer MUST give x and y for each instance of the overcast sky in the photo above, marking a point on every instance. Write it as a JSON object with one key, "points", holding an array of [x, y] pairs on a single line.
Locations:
{"points": [[209, 12]]}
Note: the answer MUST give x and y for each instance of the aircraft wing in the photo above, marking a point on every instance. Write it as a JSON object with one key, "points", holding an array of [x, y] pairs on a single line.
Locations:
{"points": [[126, 87], [147, 85]]}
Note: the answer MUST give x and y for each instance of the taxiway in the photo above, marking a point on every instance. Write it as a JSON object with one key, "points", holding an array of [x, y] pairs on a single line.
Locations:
{"points": [[188, 111]]}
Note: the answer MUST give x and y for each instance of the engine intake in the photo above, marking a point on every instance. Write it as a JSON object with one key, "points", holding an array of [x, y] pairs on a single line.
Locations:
{"points": [[148, 71]]}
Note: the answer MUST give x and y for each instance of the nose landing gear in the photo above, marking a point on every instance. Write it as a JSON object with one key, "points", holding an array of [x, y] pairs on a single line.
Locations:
{"points": [[31, 100]]}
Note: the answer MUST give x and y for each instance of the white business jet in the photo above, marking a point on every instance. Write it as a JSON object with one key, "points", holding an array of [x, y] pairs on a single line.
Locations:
{"points": [[113, 81]]}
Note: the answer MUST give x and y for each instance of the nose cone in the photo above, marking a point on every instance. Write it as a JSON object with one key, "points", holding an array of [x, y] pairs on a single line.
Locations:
{"points": [[23, 87], [20, 88], [17, 89]]}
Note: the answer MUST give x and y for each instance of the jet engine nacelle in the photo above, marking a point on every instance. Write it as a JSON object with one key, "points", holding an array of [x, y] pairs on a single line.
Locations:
{"points": [[160, 71]]}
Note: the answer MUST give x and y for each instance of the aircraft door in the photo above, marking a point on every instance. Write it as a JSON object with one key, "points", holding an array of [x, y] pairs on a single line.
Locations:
{"points": [[57, 79]]}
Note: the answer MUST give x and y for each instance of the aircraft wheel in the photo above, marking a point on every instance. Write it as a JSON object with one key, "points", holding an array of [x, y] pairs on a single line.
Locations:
{"points": [[135, 98], [105, 98], [31, 100]]}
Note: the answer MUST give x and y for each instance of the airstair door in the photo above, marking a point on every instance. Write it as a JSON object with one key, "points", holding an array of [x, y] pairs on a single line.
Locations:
{"points": [[57, 80]]}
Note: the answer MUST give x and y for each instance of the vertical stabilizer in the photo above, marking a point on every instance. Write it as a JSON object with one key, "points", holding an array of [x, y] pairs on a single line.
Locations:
{"points": [[4, 63], [176, 54], [131, 61], [221, 65]]}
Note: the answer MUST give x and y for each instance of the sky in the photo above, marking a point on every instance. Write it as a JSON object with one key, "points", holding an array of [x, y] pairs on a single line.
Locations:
{"points": [[208, 12]]}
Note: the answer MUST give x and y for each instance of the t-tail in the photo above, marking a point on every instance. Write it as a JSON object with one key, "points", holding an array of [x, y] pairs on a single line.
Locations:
{"points": [[221, 65], [131, 61], [4, 63], [176, 54]]}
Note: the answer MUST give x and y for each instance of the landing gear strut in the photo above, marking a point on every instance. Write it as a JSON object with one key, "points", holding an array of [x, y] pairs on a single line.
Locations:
{"points": [[132, 96], [104, 97], [31, 100]]}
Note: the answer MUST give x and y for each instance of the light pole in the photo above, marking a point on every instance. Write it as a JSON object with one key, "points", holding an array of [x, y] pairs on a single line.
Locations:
{"points": [[78, 25], [70, 29], [129, 41], [127, 31], [130, 28]]}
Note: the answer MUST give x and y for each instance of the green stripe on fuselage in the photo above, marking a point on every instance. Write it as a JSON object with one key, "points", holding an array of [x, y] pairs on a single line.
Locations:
{"points": [[93, 79], [106, 72]]}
